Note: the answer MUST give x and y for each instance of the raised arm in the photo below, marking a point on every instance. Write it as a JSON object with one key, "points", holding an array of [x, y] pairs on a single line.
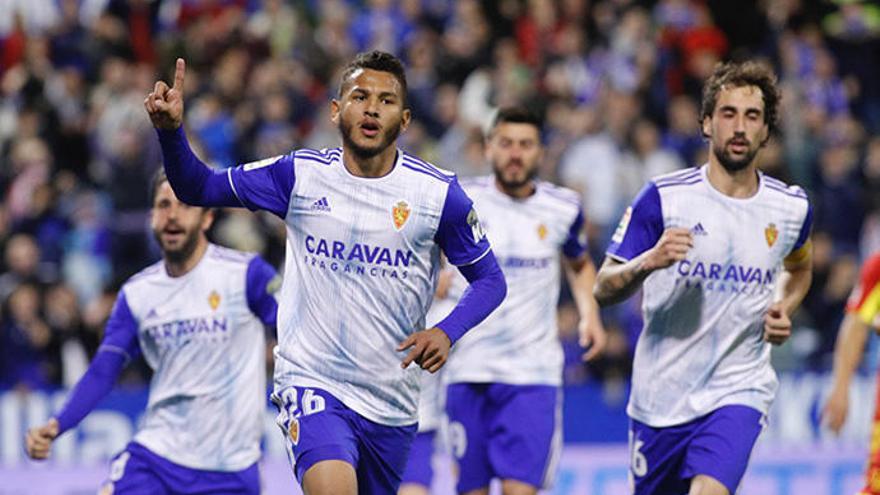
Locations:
{"points": [[193, 181], [119, 345]]}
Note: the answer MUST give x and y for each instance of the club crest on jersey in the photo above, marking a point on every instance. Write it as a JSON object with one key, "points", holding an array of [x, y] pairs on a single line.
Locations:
{"points": [[214, 299], [542, 231], [771, 234], [400, 214], [293, 430]]}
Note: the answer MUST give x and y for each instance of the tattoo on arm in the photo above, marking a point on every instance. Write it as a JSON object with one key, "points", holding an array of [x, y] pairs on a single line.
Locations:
{"points": [[617, 281]]}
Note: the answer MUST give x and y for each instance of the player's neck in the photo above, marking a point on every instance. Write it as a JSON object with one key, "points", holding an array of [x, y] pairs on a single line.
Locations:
{"points": [[517, 192], [375, 166], [739, 184], [181, 268]]}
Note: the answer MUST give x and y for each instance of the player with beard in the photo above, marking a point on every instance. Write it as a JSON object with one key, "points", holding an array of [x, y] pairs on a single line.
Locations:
{"points": [[724, 256], [365, 226], [504, 398], [198, 317]]}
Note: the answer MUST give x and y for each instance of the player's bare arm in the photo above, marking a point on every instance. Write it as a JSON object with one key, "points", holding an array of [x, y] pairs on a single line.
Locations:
{"points": [[848, 351], [616, 281], [793, 286], [581, 275], [38, 441], [165, 104], [430, 349]]}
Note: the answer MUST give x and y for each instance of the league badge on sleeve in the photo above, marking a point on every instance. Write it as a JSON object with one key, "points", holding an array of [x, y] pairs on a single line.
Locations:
{"points": [[622, 226], [771, 234], [400, 214], [476, 228]]}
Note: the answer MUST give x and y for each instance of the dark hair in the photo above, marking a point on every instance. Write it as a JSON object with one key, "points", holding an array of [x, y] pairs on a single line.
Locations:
{"points": [[516, 115], [376, 60], [739, 74], [158, 178]]}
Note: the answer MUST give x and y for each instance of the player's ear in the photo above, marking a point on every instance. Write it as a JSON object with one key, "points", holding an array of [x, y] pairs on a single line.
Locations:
{"points": [[707, 127], [207, 219], [334, 111], [406, 117]]}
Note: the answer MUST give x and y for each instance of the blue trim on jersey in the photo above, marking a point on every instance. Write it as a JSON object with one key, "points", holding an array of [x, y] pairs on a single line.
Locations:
{"points": [[258, 282], [573, 247], [795, 193], [645, 225], [414, 165], [687, 182], [805, 229], [678, 176], [459, 233], [308, 154], [427, 165], [267, 187]]}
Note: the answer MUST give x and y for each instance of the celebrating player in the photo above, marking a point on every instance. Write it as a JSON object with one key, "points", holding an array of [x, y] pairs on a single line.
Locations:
{"points": [[504, 397], [862, 313], [198, 319], [708, 243], [365, 226]]}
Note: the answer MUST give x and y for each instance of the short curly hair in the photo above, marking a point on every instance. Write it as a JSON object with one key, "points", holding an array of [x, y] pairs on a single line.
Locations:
{"points": [[739, 74], [376, 60]]}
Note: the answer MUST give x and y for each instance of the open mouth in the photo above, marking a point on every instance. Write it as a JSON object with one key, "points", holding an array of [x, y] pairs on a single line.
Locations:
{"points": [[173, 233], [739, 146], [370, 129]]}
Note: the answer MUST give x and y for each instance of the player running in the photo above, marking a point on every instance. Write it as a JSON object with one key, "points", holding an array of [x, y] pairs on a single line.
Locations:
{"points": [[365, 226], [504, 398], [724, 255], [198, 317]]}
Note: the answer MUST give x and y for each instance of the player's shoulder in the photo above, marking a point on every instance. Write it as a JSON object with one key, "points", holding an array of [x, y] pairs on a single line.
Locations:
{"points": [[678, 179], [151, 272], [228, 256], [475, 185], [558, 194], [320, 158], [787, 192], [421, 169]]}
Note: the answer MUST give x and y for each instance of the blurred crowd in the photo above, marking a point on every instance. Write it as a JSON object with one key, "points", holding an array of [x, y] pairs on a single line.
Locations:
{"points": [[617, 81]]}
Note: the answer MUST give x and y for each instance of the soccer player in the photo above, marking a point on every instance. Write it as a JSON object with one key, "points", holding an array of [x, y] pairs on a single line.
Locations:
{"points": [[198, 317], [862, 313], [504, 399], [365, 226], [724, 256]]}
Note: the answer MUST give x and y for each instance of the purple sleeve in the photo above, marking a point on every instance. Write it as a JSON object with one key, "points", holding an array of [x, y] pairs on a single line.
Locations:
{"points": [[640, 228], [805, 229], [576, 243], [193, 182], [119, 345], [486, 290], [261, 283], [460, 235], [264, 185]]}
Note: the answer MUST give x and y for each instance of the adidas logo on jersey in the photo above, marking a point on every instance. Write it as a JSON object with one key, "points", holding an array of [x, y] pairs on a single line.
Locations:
{"points": [[698, 229], [321, 204], [152, 314]]}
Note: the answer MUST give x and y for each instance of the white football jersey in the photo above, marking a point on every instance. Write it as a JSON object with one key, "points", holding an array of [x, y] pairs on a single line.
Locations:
{"points": [[702, 344], [518, 343], [361, 265], [203, 338]]}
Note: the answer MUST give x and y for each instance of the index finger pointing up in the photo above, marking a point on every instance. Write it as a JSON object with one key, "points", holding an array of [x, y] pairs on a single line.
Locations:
{"points": [[179, 71]]}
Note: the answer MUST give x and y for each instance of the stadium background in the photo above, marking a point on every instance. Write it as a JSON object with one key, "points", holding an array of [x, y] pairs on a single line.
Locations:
{"points": [[617, 80]]}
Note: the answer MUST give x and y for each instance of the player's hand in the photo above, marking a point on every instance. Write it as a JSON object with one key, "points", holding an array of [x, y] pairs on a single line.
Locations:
{"points": [[835, 411], [164, 104], [591, 336], [777, 325], [672, 247], [430, 349], [39, 440]]}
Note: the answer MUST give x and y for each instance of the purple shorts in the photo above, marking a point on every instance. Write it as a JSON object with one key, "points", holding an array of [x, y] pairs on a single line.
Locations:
{"points": [[137, 470], [318, 427], [664, 460], [504, 431], [419, 470]]}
